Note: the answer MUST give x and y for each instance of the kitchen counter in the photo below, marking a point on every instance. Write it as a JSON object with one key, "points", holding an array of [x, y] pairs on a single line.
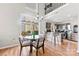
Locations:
{"points": [[52, 37]]}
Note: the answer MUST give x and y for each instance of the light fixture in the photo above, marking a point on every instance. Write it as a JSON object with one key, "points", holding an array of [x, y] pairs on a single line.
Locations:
{"points": [[38, 17]]}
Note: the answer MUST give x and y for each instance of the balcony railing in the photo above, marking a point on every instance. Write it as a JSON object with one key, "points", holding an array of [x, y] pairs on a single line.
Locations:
{"points": [[52, 6]]}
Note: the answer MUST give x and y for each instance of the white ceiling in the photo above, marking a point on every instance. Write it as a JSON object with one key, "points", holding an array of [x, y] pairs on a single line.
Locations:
{"points": [[68, 11], [65, 12]]}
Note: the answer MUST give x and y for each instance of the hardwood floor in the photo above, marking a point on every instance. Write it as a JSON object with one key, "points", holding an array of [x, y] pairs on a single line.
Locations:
{"points": [[68, 48]]}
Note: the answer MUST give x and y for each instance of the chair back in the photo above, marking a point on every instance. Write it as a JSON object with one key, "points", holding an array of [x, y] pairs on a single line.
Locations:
{"points": [[41, 40], [20, 41]]}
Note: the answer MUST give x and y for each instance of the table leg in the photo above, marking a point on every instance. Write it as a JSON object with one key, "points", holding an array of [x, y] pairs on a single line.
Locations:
{"points": [[30, 48]]}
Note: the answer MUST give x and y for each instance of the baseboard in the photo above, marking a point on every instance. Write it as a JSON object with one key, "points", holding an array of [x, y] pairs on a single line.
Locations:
{"points": [[9, 46]]}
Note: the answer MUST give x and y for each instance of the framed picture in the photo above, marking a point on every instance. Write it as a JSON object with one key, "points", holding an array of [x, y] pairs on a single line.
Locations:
{"points": [[48, 27]]}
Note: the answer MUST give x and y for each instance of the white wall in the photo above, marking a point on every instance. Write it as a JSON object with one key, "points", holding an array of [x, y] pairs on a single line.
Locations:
{"points": [[9, 23]]}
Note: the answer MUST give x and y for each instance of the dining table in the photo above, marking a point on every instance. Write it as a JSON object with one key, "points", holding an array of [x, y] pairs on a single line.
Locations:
{"points": [[31, 38]]}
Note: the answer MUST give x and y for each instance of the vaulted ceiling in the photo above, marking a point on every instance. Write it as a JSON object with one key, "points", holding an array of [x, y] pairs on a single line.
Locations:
{"points": [[65, 12]]}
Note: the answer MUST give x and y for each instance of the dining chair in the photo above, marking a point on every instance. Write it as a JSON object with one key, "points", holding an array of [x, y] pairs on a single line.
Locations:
{"points": [[39, 43], [23, 43]]}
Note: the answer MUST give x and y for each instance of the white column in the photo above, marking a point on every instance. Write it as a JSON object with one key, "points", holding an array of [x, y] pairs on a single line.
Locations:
{"points": [[39, 27], [37, 8], [37, 15]]}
